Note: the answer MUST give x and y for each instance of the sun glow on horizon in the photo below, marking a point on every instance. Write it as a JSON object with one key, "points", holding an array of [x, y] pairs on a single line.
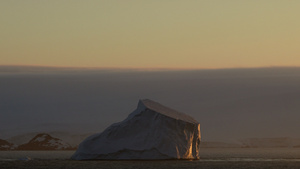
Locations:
{"points": [[151, 34]]}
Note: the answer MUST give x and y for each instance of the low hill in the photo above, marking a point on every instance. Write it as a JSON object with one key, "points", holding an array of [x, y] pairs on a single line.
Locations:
{"points": [[270, 142], [5, 145], [219, 145], [44, 141]]}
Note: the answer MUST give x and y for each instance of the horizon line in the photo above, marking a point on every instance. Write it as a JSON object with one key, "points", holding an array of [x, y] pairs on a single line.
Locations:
{"points": [[144, 68]]}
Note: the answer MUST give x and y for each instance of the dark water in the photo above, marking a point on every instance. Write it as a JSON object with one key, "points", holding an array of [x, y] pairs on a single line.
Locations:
{"points": [[211, 158]]}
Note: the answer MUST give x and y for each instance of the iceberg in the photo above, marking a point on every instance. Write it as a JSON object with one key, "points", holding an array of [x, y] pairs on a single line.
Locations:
{"points": [[151, 132]]}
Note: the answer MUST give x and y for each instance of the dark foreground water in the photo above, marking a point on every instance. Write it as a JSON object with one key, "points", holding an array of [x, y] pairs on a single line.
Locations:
{"points": [[211, 158]]}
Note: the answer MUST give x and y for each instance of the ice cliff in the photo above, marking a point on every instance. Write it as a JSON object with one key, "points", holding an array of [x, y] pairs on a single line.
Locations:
{"points": [[152, 131]]}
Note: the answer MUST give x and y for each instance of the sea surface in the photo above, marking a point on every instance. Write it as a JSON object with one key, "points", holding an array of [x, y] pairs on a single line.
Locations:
{"points": [[211, 158]]}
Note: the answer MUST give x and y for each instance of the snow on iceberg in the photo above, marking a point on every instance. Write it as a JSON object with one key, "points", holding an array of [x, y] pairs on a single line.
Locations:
{"points": [[152, 131]]}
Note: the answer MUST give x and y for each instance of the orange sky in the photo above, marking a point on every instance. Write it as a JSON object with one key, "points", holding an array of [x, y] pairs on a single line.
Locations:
{"points": [[150, 34]]}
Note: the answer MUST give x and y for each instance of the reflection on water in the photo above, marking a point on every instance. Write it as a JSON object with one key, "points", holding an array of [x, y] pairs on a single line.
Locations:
{"points": [[206, 154], [231, 158], [250, 153], [20, 155]]}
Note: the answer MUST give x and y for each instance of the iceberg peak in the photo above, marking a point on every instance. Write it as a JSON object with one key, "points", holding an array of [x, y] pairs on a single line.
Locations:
{"points": [[154, 106]]}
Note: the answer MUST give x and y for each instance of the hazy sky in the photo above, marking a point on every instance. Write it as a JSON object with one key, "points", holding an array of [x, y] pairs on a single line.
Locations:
{"points": [[147, 34], [229, 104]]}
